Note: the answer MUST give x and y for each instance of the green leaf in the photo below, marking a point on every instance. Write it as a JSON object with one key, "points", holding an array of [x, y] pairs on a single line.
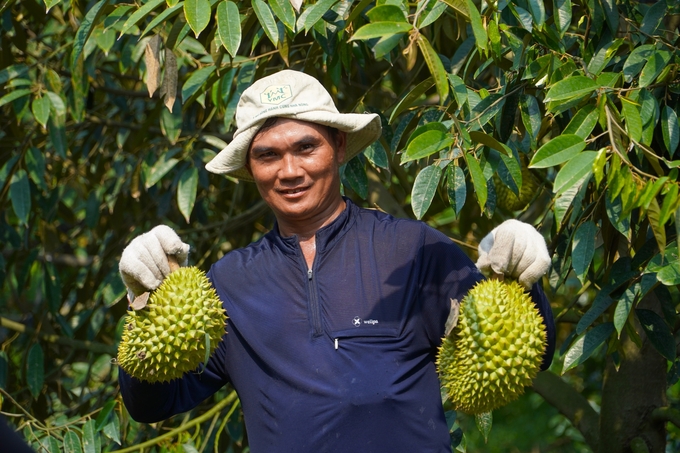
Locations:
{"points": [[478, 180], [229, 26], [655, 64], [72, 443], [20, 194], [413, 95], [636, 61], [477, 26], [4, 366], [669, 129], [386, 13], [583, 249], [355, 175], [285, 12], [195, 82], [424, 188], [141, 13], [558, 150], [266, 19], [161, 18], [35, 370], [376, 155], [654, 217], [485, 139], [104, 415], [85, 29], [162, 166], [459, 89], [577, 169], [381, 29], [41, 110], [484, 421], [583, 123], [56, 103], [571, 88], [91, 441], [186, 192], [563, 15], [171, 122], [35, 165], [314, 13], [658, 332], [112, 429], [633, 120], [669, 204], [653, 18], [57, 132], [436, 67], [12, 95], [537, 12], [432, 12], [456, 187], [611, 12], [426, 144], [531, 115], [622, 311], [197, 13], [50, 3], [586, 344], [12, 72]]}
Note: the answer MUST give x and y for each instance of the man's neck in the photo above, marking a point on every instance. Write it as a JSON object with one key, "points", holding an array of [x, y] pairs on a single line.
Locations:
{"points": [[305, 229]]}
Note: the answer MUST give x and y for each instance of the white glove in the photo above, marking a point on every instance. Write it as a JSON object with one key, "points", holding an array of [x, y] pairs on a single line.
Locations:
{"points": [[144, 263], [517, 250]]}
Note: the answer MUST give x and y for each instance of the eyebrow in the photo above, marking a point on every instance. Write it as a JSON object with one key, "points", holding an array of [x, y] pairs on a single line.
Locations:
{"points": [[307, 139]]}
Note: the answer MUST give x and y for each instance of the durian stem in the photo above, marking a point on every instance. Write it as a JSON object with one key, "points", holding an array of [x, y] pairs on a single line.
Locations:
{"points": [[170, 434], [52, 338], [172, 261]]}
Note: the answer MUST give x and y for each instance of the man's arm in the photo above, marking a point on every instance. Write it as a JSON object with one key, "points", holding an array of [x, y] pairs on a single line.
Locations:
{"points": [[153, 402]]}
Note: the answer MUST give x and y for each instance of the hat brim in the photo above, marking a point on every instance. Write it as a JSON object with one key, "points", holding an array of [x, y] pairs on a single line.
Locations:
{"points": [[362, 129]]}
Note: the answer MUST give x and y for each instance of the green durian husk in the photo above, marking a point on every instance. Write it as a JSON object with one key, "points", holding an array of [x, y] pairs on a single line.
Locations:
{"points": [[508, 200], [495, 350], [167, 338]]}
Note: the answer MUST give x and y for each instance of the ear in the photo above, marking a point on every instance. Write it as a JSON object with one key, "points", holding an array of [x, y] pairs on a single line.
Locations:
{"points": [[340, 145]]}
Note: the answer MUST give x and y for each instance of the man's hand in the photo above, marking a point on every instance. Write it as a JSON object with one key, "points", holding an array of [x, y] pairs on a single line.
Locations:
{"points": [[144, 263], [517, 250]]}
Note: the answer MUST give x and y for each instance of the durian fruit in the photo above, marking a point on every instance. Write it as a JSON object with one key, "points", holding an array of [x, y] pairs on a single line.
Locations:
{"points": [[495, 350], [506, 198], [169, 336]]}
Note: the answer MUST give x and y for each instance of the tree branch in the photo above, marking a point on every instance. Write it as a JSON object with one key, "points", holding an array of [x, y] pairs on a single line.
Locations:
{"points": [[571, 404], [667, 414], [51, 338]]}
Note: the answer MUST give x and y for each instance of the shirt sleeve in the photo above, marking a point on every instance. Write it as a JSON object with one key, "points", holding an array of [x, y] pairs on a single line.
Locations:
{"points": [[446, 273]]}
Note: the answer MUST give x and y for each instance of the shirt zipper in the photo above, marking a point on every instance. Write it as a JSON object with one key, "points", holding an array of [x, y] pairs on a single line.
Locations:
{"points": [[314, 303]]}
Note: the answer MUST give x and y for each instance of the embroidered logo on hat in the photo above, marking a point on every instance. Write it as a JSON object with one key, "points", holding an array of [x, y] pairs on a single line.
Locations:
{"points": [[276, 94]]}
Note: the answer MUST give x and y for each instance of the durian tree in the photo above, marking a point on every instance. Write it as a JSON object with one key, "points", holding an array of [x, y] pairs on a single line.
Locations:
{"points": [[561, 113]]}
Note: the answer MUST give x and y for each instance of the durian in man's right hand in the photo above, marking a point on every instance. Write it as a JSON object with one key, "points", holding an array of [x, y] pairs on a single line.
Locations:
{"points": [[495, 350], [169, 336]]}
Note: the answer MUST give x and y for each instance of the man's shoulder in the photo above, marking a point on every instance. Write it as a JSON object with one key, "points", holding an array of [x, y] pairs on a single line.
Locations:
{"points": [[379, 219], [238, 259]]}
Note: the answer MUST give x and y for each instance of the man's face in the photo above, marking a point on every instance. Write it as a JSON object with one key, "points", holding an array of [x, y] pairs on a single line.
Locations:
{"points": [[295, 166]]}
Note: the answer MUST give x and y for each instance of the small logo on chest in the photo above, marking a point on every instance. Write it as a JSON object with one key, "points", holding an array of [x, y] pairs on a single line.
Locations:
{"points": [[357, 321]]}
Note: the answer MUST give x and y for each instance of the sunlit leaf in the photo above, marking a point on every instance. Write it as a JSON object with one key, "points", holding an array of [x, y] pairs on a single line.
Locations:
{"points": [[141, 13], [266, 19], [380, 29], [412, 96], [386, 13], [355, 175], [633, 120], [426, 144], [196, 81], [12, 95], [72, 443], [562, 15], [577, 169], [285, 12], [537, 12], [656, 63], [12, 72], [478, 29], [478, 180], [197, 13], [436, 67], [85, 29], [314, 13], [653, 18], [41, 110], [622, 311], [570, 88], [557, 151], [531, 115], [424, 188], [456, 187]]}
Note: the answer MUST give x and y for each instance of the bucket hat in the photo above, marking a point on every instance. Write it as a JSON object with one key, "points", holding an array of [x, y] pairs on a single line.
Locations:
{"points": [[296, 95]]}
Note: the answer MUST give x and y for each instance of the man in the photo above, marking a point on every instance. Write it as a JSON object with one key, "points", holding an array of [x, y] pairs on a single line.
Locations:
{"points": [[336, 314]]}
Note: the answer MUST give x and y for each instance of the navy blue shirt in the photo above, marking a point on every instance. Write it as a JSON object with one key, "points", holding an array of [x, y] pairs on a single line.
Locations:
{"points": [[339, 357]]}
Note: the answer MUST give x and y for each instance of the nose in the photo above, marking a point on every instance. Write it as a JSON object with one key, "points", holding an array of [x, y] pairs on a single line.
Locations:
{"points": [[290, 168]]}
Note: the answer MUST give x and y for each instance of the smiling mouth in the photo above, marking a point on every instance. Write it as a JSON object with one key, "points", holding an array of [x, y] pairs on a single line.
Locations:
{"points": [[292, 191]]}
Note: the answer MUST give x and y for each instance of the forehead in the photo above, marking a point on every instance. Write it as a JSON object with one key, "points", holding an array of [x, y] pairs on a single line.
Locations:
{"points": [[289, 128]]}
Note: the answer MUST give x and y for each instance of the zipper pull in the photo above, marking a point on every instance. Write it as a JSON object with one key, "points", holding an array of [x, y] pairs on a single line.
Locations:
{"points": [[336, 344], [309, 274]]}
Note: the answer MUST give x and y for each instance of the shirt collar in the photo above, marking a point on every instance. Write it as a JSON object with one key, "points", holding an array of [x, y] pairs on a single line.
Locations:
{"points": [[326, 236]]}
